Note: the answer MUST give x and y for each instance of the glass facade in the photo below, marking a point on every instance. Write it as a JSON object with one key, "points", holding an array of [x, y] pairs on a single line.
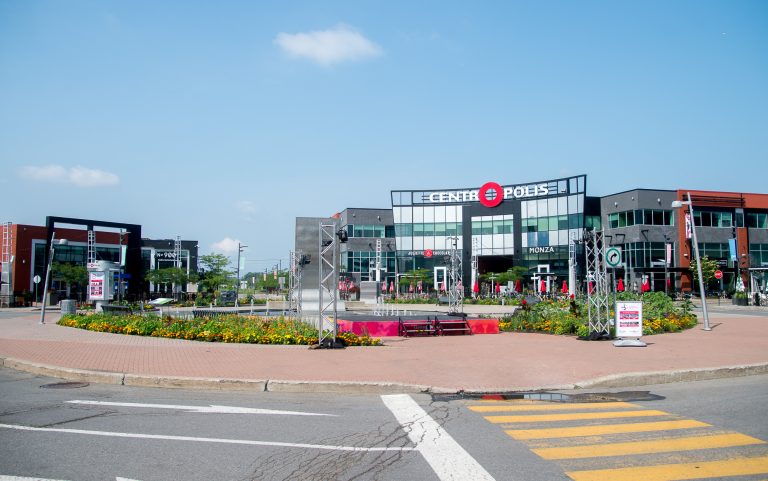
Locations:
{"points": [[757, 220], [645, 255], [758, 255], [641, 217], [524, 225], [709, 218]]}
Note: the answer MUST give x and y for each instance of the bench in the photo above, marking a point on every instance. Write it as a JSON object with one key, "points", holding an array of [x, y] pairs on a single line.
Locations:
{"points": [[418, 327], [196, 313], [113, 309]]}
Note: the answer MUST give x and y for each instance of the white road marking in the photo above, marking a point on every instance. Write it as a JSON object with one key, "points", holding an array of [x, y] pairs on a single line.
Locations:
{"points": [[200, 440], [201, 409], [448, 459], [121, 479], [21, 478]]}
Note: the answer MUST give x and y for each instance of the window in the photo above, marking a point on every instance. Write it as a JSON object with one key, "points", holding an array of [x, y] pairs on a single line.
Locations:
{"points": [[757, 220]]}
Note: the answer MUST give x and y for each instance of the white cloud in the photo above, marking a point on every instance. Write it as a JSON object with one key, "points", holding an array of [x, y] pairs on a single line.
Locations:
{"points": [[328, 47], [226, 246], [78, 175], [247, 208]]}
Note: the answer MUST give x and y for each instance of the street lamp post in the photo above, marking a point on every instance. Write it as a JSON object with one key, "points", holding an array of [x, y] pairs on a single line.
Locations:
{"points": [[48, 275], [240, 248], [676, 205]]}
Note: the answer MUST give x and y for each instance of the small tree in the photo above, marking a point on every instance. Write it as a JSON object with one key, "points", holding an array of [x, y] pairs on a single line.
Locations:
{"points": [[70, 274], [215, 272], [708, 268]]}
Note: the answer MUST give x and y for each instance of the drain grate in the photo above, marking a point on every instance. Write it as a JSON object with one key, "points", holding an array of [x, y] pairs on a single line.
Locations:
{"points": [[65, 385], [592, 397]]}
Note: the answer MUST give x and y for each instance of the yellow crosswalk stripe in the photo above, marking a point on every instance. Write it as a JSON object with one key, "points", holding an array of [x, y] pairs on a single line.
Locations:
{"points": [[550, 407], [677, 472], [573, 432], [535, 418], [648, 447]]}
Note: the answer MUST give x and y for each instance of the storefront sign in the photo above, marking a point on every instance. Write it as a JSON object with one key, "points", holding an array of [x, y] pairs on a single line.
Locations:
{"points": [[629, 319], [431, 252], [482, 194], [541, 250]]}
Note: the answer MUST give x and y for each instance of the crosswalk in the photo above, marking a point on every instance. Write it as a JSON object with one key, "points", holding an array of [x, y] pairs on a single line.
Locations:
{"points": [[622, 441]]}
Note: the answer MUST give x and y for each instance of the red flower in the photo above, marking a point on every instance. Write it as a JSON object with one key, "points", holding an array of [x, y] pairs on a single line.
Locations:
{"points": [[573, 296], [524, 302]]}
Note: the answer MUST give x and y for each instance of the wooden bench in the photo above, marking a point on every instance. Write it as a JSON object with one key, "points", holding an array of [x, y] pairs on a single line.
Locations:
{"points": [[418, 327]]}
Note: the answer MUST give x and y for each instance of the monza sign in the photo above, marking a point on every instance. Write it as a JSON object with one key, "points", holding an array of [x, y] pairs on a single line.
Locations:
{"points": [[484, 196]]}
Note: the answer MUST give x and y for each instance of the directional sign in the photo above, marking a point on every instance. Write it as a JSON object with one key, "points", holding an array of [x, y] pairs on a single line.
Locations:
{"points": [[613, 256], [718, 274]]}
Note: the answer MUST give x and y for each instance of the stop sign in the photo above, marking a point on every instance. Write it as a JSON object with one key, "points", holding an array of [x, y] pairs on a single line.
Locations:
{"points": [[718, 274]]}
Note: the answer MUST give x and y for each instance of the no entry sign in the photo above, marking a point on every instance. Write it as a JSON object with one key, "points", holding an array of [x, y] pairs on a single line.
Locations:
{"points": [[718, 274]]}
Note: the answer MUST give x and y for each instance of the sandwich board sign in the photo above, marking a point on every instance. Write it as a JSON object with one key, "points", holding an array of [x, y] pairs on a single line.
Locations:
{"points": [[629, 323]]}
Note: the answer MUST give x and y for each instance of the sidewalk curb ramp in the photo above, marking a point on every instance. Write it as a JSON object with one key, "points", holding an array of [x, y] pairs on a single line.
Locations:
{"points": [[352, 387]]}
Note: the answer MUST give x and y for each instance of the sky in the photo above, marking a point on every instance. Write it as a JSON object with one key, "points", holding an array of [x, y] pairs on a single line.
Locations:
{"points": [[223, 121]]}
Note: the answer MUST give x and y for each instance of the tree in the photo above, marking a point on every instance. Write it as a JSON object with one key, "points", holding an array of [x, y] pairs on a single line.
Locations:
{"points": [[70, 274], [416, 275], [708, 268], [169, 275], [215, 272]]}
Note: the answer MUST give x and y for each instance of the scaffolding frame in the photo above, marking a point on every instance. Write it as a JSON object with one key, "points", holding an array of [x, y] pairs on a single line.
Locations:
{"points": [[328, 286], [597, 296], [6, 292], [294, 283], [456, 288]]}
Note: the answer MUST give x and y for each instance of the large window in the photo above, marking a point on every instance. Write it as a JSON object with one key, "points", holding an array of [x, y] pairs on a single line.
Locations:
{"points": [[493, 235], [758, 254], [360, 230], [640, 216], [708, 218], [363, 262], [646, 254], [551, 222], [757, 220]]}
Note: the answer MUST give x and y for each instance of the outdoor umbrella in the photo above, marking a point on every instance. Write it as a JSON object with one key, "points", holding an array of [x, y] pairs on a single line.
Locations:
{"points": [[669, 282], [620, 286], [476, 288], [384, 286], [410, 288], [498, 288], [442, 286], [518, 287], [645, 286], [392, 286], [592, 286], [543, 287], [419, 286], [565, 287]]}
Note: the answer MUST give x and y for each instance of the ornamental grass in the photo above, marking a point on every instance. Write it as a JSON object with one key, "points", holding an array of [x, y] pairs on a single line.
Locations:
{"points": [[660, 315], [226, 328]]}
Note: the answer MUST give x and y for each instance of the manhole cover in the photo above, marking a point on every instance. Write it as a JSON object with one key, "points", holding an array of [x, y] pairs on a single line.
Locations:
{"points": [[64, 385]]}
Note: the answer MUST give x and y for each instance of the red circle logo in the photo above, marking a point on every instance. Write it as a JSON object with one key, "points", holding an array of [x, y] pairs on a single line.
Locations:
{"points": [[428, 253], [483, 194]]}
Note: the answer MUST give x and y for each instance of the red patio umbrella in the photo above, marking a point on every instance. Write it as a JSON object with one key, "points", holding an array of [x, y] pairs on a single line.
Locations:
{"points": [[392, 286], [543, 287], [418, 285], [384, 286], [410, 288], [646, 286], [476, 288], [620, 286], [498, 288], [351, 285], [442, 286], [669, 282], [592, 286], [564, 290], [518, 287]]}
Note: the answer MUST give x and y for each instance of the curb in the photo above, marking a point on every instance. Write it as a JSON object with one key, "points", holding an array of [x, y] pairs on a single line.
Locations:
{"points": [[352, 387]]}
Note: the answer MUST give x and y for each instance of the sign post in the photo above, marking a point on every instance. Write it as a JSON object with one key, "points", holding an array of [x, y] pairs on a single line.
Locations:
{"points": [[36, 280], [629, 324]]}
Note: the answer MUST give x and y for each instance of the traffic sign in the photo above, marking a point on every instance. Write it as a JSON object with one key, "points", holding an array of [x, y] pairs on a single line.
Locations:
{"points": [[36, 279], [613, 256], [718, 274]]}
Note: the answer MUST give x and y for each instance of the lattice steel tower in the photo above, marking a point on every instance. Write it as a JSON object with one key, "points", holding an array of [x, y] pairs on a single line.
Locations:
{"points": [[327, 327], [456, 288], [597, 277]]}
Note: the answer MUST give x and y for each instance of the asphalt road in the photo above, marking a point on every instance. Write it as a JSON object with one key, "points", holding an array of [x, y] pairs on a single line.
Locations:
{"points": [[115, 432]]}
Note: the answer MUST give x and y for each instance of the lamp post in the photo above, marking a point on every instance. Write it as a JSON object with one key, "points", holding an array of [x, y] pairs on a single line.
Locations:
{"points": [[240, 248], [48, 275], [676, 205]]}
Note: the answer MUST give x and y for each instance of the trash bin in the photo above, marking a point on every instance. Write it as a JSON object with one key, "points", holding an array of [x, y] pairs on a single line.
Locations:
{"points": [[68, 306]]}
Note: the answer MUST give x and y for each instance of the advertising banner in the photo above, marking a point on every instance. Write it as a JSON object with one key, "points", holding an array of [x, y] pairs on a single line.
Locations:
{"points": [[732, 249], [96, 286], [688, 232], [629, 319]]}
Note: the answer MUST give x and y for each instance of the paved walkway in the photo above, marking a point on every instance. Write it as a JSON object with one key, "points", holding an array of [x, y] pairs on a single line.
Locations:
{"points": [[737, 345]]}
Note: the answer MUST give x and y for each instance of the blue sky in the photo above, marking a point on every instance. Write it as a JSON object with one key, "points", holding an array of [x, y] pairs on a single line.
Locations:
{"points": [[223, 121]]}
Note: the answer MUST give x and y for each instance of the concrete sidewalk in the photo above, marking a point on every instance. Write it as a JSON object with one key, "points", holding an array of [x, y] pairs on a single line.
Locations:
{"points": [[737, 345]]}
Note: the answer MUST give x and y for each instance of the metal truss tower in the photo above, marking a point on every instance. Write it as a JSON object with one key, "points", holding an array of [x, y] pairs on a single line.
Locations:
{"points": [[294, 283], [597, 289], [327, 327], [456, 288], [6, 292], [91, 246], [378, 260], [177, 264], [475, 273]]}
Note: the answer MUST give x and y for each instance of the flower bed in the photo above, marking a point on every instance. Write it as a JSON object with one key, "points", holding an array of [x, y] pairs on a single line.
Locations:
{"points": [[226, 328], [570, 317]]}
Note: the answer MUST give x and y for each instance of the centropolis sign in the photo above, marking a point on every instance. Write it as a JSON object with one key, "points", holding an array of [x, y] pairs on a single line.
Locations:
{"points": [[483, 195]]}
